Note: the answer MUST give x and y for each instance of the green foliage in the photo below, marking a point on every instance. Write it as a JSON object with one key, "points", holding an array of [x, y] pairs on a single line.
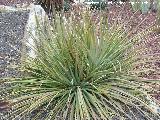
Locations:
{"points": [[80, 73], [158, 12], [67, 6], [143, 5], [98, 6]]}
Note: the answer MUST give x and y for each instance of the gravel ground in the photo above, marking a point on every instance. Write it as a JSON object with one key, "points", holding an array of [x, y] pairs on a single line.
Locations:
{"points": [[151, 42], [14, 2], [12, 26]]}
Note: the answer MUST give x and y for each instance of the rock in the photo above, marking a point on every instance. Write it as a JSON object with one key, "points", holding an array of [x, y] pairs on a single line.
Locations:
{"points": [[35, 11]]}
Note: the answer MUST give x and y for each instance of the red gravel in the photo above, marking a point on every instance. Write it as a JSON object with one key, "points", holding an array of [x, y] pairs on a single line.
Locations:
{"points": [[151, 44]]}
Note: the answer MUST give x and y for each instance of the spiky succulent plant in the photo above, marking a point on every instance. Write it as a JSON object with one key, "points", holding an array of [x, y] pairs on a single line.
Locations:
{"points": [[81, 72]]}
